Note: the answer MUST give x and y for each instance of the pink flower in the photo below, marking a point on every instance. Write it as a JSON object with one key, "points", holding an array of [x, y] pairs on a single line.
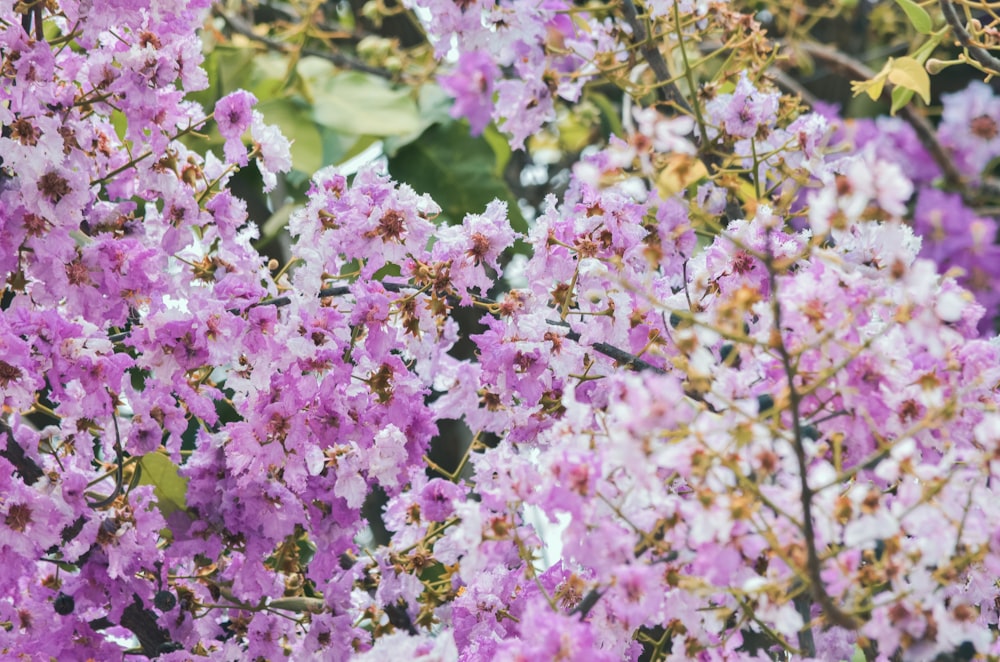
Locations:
{"points": [[233, 115], [472, 84]]}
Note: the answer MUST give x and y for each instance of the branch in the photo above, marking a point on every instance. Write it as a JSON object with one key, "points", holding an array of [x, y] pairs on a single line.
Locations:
{"points": [[978, 53], [666, 89], [14, 453], [142, 623], [619, 355], [834, 614], [925, 132], [239, 26]]}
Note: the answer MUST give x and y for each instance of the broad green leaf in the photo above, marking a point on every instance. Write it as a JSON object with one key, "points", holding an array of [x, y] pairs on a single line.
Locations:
{"points": [[900, 97], [907, 72], [293, 118], [275, 224], [263, 74], [918, 16], [457, 170], [357, 103], [168, 486], [433, 105], [351, 145]]}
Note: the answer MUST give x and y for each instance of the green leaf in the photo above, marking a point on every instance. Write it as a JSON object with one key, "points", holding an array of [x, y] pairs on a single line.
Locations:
{"points": [[874, 86], [263, 74], [433, 104], [918, 16], [295, 121], [609, 113], [457, 170], [907, 72], [900, 97], [357, 103], [275, 224], [501, 148], [168, 486]]}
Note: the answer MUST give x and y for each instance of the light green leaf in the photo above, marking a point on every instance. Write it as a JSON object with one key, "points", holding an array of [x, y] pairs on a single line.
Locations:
{"points": [[918, 16], [873, 87], [294, 120], [168, 486], [433, 104], [501, 148], [900, 97], [360, 104], [274, 225], [263, 74], [907, 72]]}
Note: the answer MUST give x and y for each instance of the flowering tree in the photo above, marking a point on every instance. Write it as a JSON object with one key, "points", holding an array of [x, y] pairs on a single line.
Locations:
{"points": [[731, 394]]}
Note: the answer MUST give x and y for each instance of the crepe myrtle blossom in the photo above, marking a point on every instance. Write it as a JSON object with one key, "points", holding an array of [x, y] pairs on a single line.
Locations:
{"points": [[472, 84], [785, 441], [970, 127], [743, 113], [668, 134], [233, 115]]}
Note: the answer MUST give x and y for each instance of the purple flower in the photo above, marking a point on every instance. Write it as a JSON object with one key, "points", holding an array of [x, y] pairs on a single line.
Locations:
{"points": [[472, 85], [744, 112], [234, 113], [274, 148], [233, 116], [970, 127], [437, 499]]}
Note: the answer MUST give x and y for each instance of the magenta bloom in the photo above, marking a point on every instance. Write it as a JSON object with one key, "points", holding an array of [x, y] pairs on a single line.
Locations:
{"points": [[970, 127], [742, 113], [234, 112], [472, 86], [437, 499], [233, 115]]}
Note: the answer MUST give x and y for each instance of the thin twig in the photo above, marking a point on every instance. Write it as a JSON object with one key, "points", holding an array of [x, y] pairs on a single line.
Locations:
{"points": [[621, 356], [834, 614], [978, 53], [241, 27], [119, 470]]}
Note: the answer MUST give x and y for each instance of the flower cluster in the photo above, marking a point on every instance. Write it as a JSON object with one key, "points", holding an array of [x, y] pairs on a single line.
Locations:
{"points": [[740, 416]]}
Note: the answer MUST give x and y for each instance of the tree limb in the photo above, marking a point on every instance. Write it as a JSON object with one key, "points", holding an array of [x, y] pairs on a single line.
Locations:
{"points": [[666, 89], [239, 26]]}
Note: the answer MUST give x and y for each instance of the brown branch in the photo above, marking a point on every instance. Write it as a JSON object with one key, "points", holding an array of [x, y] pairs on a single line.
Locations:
{"points": [[666, 89], [978, 53], [142, 622], [241, 27], [925, 132], [834, 614], [14, 453]]}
